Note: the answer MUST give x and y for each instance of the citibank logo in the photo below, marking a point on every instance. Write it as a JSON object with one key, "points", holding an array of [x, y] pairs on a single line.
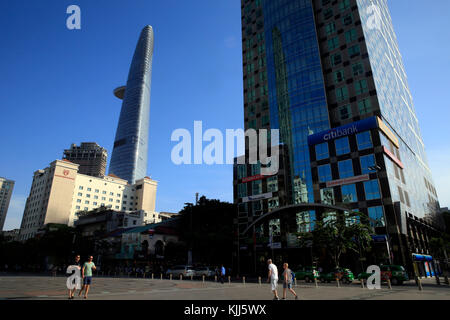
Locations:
{"points": [[340, 133]]}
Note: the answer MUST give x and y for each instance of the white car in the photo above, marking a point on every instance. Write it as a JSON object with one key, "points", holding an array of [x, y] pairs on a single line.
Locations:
{"points": [[205, 271], [184, 270]]}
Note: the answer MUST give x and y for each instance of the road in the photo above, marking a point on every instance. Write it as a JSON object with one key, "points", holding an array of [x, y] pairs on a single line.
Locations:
{"points": [[54, 288]]}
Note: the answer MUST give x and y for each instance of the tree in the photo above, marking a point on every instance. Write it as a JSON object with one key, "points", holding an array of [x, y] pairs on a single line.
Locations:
{"points": [[338, 234], [208, 228]]}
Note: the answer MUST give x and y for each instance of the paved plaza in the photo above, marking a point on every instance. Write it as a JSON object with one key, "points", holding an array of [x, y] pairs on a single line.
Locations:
{"points": [[104, 288]]}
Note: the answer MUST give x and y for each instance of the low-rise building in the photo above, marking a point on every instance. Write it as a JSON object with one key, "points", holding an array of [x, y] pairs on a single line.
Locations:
{"points": [[59, 192]]}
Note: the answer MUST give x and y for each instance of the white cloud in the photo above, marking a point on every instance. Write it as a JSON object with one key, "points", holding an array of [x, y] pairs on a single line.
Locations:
{"points": [[15, 212], [439, 161]]}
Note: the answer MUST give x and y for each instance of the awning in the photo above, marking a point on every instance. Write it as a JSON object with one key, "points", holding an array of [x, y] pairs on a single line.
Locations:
{"points": [[422, 257]]}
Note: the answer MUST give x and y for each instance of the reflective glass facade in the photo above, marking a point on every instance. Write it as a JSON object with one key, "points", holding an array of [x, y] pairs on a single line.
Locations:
{"points": [[297, 97], [397, 110], [130, 152]]}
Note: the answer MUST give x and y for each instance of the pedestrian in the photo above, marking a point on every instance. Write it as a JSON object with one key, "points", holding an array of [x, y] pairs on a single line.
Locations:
{"points": [[287, 281], [86, 274], [273, 278], [76, 262], [222, 274]]}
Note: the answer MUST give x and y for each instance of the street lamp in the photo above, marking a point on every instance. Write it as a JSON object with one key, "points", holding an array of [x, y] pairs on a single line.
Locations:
{"points": [[377, 169]]}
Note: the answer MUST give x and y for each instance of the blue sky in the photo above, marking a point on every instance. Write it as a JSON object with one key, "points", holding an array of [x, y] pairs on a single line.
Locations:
{"points": [[57, 84]]}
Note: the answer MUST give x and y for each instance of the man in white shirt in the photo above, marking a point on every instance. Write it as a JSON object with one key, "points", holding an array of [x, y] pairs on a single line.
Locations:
{"points": [[273, 278]]}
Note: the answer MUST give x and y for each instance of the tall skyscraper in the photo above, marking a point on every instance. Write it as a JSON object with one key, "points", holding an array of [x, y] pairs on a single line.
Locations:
{"points": [[90, 156], [130, 152], [329, 75], [6, 189]]}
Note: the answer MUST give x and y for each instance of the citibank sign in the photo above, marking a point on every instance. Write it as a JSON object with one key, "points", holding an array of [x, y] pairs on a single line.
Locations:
{"points": [[347, 130]]}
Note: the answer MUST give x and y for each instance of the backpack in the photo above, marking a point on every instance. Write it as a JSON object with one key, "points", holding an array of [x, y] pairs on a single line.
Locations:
{"points": [[292, 276]]}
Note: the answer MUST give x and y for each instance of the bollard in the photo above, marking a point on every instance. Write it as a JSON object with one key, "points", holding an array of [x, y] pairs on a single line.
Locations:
{"points": [[203, 278], [295, 282], [135, 274], [243, 280], [362, 283], [161, 276], [192, 277], [259, 280], [215, 278], [181, 277], [419, 282], [229, 280], [338, 284], [152, 276], [170, 277], [389, 283], [316, 283], [143, 275]]}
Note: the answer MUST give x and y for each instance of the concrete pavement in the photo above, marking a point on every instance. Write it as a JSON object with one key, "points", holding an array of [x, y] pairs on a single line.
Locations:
{"points": [[104, 288]]}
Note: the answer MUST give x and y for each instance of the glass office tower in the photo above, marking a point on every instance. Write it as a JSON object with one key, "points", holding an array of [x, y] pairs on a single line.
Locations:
{"points": [[329, 75], [130, 152]]}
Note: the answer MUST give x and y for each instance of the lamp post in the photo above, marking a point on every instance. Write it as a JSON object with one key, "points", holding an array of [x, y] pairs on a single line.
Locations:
{"points": [[377, 169]]}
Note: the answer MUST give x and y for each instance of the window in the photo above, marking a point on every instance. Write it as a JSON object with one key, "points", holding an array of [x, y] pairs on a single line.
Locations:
{"points": [[88, 196], [347, 20], [80, 194], [322, 151], [357, 69], [324, 173], [327, 196], [117, 201], [95, 203], [376, 216], [97, 191], [333, 43], [273, 203], [330, 28], [257, 187], [361, 86], [328, 13], [342, 146], [104, 198], [77, 207], [103, 192], [364, 140], [110, 200], [364, 106], [111, 193], [345, 169], [351, 35], [354, 51], [117, 207], [336, 59], [349, 193], [86, 202], [372, 190], [89, 189], [241, 171], [344, 5], [242, 190], [95, 197], [272, 184], [341, 94], [80, 188], [339, 76], [78, 200], [345, 112], [256, 168], [367, 162]]}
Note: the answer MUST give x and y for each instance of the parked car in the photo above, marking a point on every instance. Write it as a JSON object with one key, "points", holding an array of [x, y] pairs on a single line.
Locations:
{"points": [[306, 273], [397, 274], [343, 274], [184, 270], [204, 271]]}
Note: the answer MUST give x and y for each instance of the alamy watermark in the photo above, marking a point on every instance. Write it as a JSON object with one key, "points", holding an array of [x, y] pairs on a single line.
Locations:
{"points": [[224, 151], [74, 20]]}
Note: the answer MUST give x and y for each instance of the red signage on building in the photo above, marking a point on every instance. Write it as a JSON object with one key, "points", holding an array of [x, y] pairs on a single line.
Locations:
{"points": [[350, 180], [254, 178], [392, 157]]}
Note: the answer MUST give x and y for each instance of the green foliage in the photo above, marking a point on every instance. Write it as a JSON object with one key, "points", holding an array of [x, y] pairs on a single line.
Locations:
{"points": [[338, 234], [208, 228]]}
